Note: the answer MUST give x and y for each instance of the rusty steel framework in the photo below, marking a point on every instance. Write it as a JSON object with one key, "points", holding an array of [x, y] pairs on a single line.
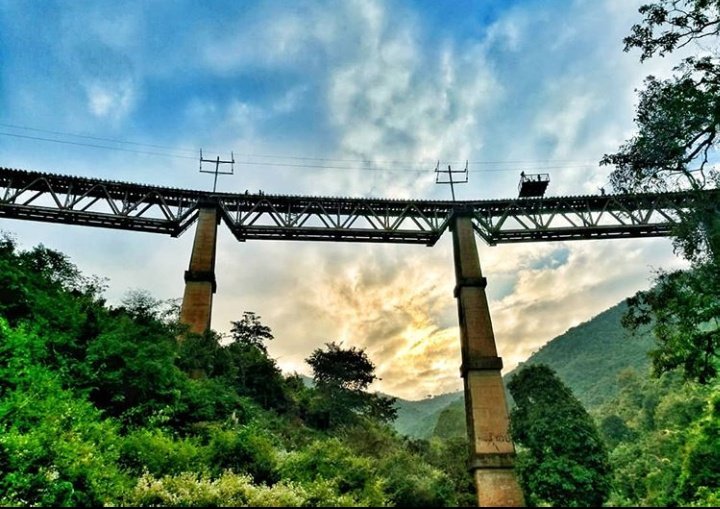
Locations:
{"points": [[94, 202]]}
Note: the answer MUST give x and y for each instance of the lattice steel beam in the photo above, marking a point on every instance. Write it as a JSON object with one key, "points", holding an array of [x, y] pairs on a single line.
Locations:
{"points": [[585, 217], [335, 219], [94, 202]]}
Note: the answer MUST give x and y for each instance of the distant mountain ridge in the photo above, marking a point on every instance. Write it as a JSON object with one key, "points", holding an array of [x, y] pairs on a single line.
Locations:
{"points": [[588, 358], [418, 419]]}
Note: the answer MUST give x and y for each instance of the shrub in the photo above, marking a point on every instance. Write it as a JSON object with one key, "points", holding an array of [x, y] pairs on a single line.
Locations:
{"points": [[153, 451], [247, 449], [228, 490], [55, 449]]}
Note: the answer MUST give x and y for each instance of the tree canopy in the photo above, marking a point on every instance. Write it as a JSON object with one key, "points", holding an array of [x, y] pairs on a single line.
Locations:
{"points": [[562, 460], [684, 311], [342, 376], [675, 148], [678, 118], [250, 331]]}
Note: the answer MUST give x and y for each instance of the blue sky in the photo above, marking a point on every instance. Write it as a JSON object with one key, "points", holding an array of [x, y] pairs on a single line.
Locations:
{"points": [[380, 91]]}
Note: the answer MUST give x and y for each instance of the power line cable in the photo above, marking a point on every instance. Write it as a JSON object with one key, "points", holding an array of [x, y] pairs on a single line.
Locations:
{"points": [[539, 163], [282, 164], [77, 143], [96, 138]]}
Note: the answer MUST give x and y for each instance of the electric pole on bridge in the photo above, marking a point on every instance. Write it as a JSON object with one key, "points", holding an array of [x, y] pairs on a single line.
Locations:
{"points": [[217, 171], [449, 180]]}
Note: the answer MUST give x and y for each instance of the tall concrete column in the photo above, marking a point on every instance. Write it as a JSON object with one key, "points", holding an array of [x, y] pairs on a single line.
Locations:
{"points": [[491, 450], [200, 277]]}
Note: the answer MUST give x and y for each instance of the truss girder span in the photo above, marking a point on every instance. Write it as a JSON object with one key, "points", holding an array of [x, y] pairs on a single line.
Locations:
{"points": [[94, 202], [333, 219], [110, 204]]}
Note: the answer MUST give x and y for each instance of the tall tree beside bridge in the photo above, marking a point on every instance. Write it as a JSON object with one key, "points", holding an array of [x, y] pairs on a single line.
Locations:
{"points": [[678, 120], [561, 459]]}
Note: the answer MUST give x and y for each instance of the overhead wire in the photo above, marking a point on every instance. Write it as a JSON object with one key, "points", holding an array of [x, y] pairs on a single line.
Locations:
{"points": [[279, 156], [369, 165], [81, 144], [96, 138]]}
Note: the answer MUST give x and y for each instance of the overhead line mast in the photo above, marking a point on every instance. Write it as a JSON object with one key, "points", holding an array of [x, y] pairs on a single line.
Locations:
{"points": [[449, 179], [217, 171]]}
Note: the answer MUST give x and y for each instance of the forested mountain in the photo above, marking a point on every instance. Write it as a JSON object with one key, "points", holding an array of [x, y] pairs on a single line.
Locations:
{"points": [[588, 358], [418, 419]]}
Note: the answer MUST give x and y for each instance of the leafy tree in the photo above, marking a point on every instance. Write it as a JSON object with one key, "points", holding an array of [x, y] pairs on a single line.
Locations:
{"points": [[250, 331], [678, 123], [141, 306], [253, 372], [562, 460], [445, 454], [341, 378], [331, 463], [700, 472], [247, 449], [684, 312], [55, 447], [413, 483], [133, 374], [678, 119], [345, 369], [666, 453], [614, 430], [157, 452]]}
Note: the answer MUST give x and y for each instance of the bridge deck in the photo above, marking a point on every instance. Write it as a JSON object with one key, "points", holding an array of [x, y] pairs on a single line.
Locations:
{"points": [[110, 204]]}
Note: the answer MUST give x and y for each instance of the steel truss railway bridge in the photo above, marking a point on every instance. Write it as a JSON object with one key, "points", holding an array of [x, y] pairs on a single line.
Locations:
{"points": [[81, 201]]}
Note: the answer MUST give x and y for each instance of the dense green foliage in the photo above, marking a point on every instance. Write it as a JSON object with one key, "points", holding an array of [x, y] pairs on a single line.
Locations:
{"points": [[341, 377], [122, 406], [678, 121], [561, 460], [664, 439], [102, 405], [684, 311]]}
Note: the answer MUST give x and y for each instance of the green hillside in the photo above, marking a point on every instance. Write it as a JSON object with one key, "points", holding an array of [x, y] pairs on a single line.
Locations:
{"points": [[417, 419], [122, 406], [588, 358]]}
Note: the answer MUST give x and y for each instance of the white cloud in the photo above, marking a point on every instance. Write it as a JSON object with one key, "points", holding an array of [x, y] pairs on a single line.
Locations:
{"points": [[111, 100], [399, 100]]}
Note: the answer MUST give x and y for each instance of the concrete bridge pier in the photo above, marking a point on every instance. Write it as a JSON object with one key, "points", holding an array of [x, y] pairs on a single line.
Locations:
{"points": [[491, 449], [200, 282]]}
